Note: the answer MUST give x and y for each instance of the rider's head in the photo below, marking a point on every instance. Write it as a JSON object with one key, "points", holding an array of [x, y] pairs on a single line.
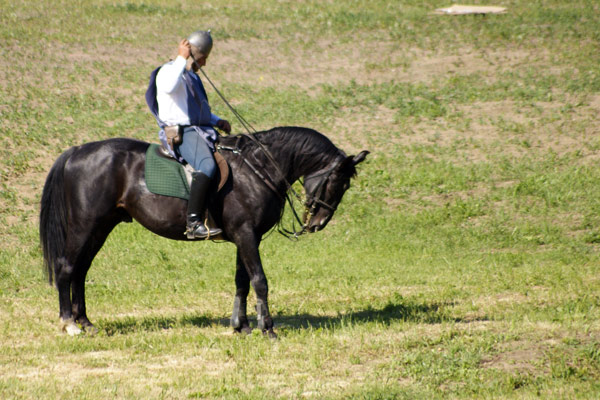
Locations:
{"points": [[201, 43]]}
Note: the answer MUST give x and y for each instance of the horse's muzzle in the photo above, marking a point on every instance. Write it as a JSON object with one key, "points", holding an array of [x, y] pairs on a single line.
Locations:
{"points": [[318, 223]]}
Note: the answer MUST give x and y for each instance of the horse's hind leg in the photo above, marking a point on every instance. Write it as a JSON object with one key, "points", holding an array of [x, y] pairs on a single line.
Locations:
{"points": [[91, 248], [70, 269], [80, 249], [64, 276], [78, 298]]}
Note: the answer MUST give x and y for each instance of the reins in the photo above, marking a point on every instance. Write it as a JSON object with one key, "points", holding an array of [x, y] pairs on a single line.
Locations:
{"points": [[244, 123], [309, 204], [290, 234]]}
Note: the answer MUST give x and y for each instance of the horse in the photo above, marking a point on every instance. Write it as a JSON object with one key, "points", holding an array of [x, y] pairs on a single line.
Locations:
{"points": [[93, 187]]}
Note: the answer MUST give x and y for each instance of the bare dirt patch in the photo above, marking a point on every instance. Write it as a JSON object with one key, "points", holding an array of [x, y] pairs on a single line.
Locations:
{"points": [[539, 126], [522, 358], [516, 129], [328, 62]]}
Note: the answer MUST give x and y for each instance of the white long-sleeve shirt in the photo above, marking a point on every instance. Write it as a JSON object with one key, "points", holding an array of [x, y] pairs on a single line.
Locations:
{"points": [[172, 96]]}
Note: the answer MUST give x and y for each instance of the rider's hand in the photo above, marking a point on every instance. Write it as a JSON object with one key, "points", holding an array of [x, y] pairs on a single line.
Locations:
{"points": [[185, 48], [224, 125]]}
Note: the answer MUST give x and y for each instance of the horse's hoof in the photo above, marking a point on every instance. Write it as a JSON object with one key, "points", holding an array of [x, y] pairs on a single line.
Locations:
{"points": [[70, 327], [246, 330], [270, 334], [90, 330]]}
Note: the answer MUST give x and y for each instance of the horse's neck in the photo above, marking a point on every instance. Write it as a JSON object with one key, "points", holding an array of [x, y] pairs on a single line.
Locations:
{"points": [[294, 161], [294, 165]]}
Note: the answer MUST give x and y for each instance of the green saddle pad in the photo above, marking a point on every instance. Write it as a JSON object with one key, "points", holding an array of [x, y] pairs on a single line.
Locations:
{"points": [[165, 177]]}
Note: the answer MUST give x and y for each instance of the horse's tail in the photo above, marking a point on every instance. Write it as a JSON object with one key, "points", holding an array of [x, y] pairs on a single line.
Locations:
{"points": [[53, 216]]}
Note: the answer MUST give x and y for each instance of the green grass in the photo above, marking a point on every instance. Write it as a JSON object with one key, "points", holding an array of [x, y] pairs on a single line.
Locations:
{"points": [[462, 263]]}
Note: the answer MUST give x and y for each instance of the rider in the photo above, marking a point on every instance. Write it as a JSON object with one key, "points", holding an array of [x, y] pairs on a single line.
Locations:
{"points": [[182, 103]]}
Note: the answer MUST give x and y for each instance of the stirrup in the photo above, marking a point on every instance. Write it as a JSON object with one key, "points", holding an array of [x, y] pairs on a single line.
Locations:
{"points": [[198, 230]]}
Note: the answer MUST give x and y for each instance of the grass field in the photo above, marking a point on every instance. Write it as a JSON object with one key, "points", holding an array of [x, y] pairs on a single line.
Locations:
{"points": [[462, 263]]}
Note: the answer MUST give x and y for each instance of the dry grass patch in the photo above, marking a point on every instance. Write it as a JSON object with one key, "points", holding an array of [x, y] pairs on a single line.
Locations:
{"points": [[331, 62]]}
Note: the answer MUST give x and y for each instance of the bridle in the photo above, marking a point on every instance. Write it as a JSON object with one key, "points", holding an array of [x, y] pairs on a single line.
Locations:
{"points": [[314, 200], [316, 197]]}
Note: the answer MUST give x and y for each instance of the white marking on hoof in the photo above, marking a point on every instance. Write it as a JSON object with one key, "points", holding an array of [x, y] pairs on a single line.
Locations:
{"points": [[73, 330], [70, 327]]}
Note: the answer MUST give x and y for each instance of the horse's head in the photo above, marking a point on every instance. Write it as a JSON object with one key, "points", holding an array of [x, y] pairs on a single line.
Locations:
{"points": [[325, 188]]}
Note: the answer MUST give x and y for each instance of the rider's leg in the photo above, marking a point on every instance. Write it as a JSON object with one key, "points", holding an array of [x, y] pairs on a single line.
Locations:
{"points": [[196, 208], [196, 152]]}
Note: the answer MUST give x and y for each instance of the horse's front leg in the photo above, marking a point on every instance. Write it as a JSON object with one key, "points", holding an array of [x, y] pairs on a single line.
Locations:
{"points": [[250, 257], [239, 318]]}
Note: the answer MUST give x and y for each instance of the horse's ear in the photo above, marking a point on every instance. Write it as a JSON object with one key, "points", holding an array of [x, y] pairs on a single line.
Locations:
{"points": [[360, 157], [351, 161]]}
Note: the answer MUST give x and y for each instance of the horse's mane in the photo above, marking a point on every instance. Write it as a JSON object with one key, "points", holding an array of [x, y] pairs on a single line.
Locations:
{"points": [[306, 145], [309, 141]]}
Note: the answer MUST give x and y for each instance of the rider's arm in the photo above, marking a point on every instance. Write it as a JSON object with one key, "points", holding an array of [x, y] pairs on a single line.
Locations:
{"points": [[170, 75]]}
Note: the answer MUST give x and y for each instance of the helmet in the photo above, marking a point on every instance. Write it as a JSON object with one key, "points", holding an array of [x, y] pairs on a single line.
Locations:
{"points": [[201, 42]]}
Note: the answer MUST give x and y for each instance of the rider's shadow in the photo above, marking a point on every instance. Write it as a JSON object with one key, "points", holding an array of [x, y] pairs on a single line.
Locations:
{"points": [[426, 313]]}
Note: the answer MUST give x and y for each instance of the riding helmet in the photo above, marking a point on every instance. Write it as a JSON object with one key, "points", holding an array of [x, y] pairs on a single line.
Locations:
{"points": [[201, 42]]}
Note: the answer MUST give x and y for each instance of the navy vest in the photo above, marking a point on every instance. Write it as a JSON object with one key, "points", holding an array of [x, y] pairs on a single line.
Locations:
{"points": [[198, 109], [197, 100]]}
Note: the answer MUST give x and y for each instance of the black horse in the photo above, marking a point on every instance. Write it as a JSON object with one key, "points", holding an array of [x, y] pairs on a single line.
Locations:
{"points": [[93, 187]]}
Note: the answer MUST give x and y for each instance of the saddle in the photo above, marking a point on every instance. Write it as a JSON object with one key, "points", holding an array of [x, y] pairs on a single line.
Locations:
{"points": [[168, 177], [222, 166]]}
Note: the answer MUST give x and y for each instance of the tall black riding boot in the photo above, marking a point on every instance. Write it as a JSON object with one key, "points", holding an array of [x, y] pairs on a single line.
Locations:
{"points": [[196, 207]]}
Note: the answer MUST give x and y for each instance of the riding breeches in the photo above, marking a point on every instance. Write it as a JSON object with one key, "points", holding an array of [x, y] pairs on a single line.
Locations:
{"points": [[196, 152]]}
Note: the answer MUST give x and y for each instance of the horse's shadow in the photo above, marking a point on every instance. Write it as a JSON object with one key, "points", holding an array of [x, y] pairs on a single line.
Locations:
{"points": [[131, 324], [426, 313]]}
